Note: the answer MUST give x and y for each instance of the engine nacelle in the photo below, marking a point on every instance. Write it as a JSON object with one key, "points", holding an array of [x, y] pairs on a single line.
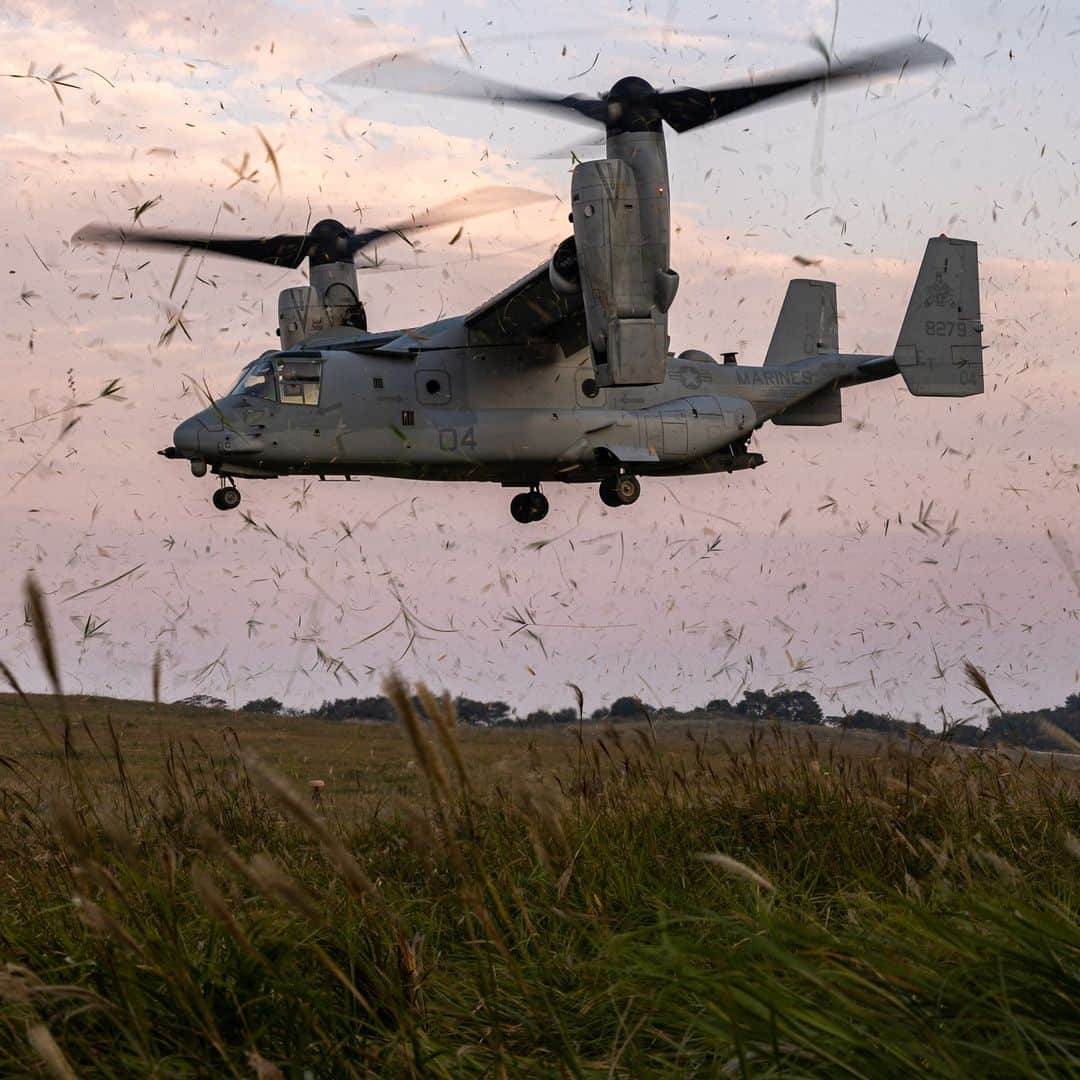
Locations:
{"points": [[626, 295], [300, 314], [563, 270], [330, 301]]}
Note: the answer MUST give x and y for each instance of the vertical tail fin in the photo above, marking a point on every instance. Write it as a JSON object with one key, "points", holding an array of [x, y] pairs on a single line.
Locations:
{"points": [[807, 323], [939, 350]]}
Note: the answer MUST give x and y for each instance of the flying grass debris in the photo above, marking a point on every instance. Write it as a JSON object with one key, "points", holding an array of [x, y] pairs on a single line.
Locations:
{"points": [[54, 79]]}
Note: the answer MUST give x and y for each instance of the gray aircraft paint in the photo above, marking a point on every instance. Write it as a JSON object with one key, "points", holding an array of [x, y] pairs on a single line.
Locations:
{"points": [[426, 404]]}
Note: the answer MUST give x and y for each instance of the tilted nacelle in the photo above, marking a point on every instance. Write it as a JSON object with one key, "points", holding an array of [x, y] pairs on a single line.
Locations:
{"points": [[329, 301], [625, 287]]}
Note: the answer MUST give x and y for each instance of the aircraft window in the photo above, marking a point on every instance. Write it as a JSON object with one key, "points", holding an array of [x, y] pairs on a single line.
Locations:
{"points": [[299, 381], [256, 380]]}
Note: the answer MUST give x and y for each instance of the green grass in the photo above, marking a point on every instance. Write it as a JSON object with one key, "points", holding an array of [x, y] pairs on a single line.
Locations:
{"points": [[769, 903]]}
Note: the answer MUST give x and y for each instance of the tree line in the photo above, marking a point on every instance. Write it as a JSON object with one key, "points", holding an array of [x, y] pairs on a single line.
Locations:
{"points": [[1043, 729]]}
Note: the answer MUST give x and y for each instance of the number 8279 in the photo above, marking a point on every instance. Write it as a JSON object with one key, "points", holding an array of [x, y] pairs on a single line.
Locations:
{"points": [[946, 328]]}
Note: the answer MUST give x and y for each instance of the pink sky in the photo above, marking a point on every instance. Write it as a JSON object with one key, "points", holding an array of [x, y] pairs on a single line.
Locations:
{"points": [[803, 587]]}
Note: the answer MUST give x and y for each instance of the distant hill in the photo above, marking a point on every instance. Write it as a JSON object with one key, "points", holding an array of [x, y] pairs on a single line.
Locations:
{"points": [[1049, 729]]}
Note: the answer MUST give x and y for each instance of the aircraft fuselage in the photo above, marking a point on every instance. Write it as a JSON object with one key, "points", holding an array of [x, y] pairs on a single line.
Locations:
{"points": [[514, 414]]}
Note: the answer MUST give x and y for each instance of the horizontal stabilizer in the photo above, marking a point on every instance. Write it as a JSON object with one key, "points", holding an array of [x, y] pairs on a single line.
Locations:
{"points": [[939, 350], [807, 323]]}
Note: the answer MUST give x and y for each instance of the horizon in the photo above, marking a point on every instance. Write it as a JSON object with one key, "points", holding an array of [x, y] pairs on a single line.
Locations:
{"points": [[988, 709]]}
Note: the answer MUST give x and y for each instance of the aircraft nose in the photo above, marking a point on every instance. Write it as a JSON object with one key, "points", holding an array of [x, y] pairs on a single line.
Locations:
{"points": [[186, 436], [200, 432]]}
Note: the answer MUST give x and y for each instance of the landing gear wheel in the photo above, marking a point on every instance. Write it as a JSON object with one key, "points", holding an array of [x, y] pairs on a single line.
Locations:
{"points": [[521, 507], [226, 498], [607, 494], [627, 489], [619, 490], [528, 506]]}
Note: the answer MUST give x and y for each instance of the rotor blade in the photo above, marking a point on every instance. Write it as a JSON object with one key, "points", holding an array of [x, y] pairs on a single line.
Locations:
{"points": [[486, 200], [586, 145], [367, 264], [686, 109], [327, 242], [286, 249], [416, 74]]}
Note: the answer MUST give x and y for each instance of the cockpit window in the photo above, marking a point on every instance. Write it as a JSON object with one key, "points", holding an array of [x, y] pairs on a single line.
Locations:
{"points": [[256, 380], [299, 381]]}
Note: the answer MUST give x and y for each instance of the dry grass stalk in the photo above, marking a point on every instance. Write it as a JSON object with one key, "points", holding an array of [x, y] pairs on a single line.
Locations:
{"points": [[155, 678], [218, 907], [39, 621], [1060, 735], [264, 1070], [52, 1057], [438, 781], [273, 881], [444, 719], [18, 984], [978, 680], [736, 869]]}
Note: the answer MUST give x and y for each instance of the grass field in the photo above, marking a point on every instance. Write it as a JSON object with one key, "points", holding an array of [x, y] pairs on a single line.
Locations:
{"points": [[177, 899]]}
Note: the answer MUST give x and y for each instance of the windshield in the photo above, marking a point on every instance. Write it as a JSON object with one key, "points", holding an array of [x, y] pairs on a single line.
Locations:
{"points": [[256, 380]]}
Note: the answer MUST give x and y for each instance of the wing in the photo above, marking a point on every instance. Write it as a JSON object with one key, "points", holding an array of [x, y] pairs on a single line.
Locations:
{"points": [[530, 311]]}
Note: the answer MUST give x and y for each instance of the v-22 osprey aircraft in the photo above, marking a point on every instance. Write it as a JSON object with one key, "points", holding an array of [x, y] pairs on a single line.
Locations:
{"points": [[567, 374]]}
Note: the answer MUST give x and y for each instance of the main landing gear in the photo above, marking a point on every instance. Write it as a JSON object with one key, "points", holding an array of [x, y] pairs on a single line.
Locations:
{"points": [[621, 490], [227, 497], [529, 506]]}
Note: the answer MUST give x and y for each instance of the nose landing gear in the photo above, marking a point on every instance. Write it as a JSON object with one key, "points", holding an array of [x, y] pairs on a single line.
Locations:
{"points": [[621, 490], [529, 506], [227, 497]]}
